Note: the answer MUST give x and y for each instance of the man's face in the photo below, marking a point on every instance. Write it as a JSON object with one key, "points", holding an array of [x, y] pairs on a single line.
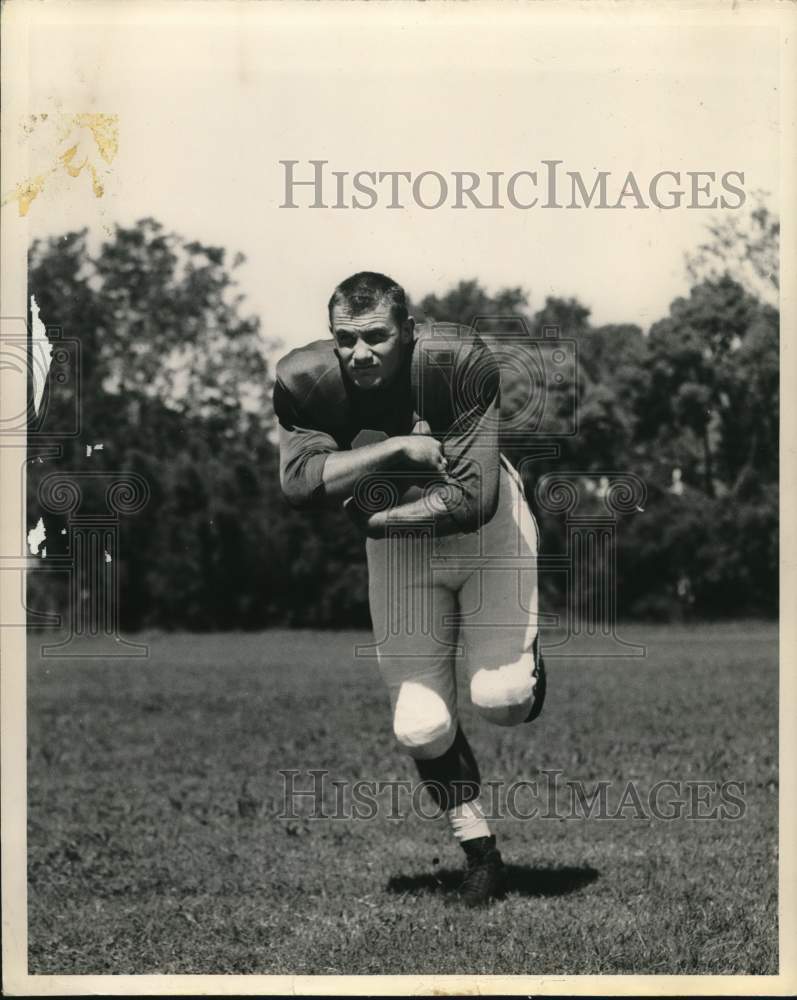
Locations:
{"points": [[370, 345]]}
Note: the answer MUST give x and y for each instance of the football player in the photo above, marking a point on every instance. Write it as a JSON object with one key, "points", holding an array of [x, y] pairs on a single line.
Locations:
{"points": [[399, 424]]}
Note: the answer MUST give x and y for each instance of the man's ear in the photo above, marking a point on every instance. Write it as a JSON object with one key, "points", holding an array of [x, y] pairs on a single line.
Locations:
{"points": [[407, 330], [334, 340]]}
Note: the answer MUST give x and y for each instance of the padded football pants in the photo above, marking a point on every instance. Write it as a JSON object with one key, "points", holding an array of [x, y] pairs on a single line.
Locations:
{"points": [[467, 600]]}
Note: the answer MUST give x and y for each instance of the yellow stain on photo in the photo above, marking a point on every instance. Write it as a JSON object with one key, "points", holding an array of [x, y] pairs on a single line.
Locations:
{"points": [[91, 140]]}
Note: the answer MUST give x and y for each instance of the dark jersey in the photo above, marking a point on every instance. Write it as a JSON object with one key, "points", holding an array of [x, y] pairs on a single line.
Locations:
{"points": [[450, 379]]}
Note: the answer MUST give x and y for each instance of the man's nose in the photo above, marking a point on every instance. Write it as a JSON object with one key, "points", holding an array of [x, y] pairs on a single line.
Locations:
{"points": [[362, 352]]}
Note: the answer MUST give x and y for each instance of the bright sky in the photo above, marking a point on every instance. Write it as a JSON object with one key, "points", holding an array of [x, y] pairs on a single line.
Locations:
{"points": [[208, 108]]}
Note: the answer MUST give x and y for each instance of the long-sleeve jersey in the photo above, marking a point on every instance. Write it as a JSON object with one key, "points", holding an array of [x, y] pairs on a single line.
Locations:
{"points": [[449, 378]]}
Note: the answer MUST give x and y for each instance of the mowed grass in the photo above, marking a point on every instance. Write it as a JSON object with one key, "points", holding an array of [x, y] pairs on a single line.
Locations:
{"points": [[155, 845]]}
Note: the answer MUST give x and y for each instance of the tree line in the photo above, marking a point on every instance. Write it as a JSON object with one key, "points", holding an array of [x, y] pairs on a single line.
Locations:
{"points": [[175, 382]]}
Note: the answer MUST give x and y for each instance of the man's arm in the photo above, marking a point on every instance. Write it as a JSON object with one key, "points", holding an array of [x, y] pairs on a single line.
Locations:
{"points": [[461, 501], [303, 453], [315, 473], [466, 495], [343, 471]]}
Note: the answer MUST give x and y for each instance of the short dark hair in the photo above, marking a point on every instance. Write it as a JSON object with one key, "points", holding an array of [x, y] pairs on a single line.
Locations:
{"points": [[368, 289]]}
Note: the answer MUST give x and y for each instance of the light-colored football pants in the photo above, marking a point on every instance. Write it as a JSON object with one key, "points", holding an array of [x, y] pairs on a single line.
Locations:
{"points": [[468, 599]]}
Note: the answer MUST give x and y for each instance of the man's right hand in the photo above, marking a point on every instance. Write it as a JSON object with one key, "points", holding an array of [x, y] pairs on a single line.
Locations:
{"points": [[423, 452]]}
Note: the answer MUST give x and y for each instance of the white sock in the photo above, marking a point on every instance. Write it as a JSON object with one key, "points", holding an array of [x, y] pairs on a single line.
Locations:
{"points": [[467, 821]]}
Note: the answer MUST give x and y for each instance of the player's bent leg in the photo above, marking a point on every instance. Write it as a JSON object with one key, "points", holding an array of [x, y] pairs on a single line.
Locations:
{"points": [[512, 693], [499, 607], [504, 695]]}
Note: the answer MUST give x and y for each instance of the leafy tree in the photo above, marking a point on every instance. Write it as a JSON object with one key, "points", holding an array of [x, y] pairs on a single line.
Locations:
{"points": [[711, 411], [174, 384], [690, 352], [744, 246], [750, 377], [469, 301]]}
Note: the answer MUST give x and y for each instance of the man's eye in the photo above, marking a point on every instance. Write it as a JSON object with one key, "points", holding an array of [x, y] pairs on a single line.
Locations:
{"points": [[376, 337], [345, 341]]}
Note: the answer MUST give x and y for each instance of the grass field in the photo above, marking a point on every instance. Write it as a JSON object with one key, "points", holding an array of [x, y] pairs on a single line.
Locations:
{"points": [[155, 846]]}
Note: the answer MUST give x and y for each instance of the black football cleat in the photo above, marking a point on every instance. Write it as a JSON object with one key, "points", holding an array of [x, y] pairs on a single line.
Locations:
{"points": [[485, 878]]}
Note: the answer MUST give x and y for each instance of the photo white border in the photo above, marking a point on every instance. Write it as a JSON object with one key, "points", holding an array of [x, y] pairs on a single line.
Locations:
{"points": [[18, 18]]}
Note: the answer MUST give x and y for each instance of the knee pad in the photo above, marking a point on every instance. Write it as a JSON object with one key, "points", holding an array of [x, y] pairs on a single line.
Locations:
{"points": [[422, 722], [504, 695]]}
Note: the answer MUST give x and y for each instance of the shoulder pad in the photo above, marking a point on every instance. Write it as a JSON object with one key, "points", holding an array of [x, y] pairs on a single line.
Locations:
{"points": [[312, 377], [303, 369]]}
